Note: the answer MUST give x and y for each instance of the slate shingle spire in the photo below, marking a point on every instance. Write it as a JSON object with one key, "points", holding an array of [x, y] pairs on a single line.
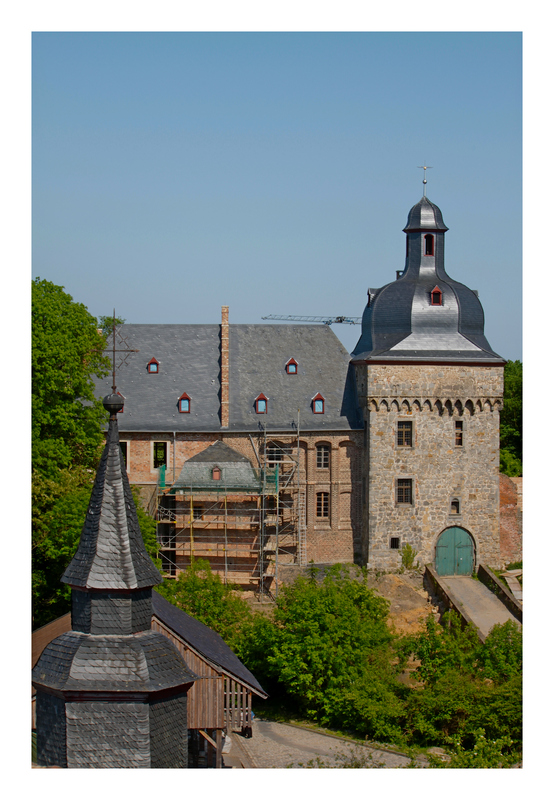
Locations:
{"points": [[111, 692], [111, 552]]}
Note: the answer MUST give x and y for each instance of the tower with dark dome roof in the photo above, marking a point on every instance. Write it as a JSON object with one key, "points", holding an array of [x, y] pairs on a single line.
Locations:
{"points": [[431, 390], [111, 692]]}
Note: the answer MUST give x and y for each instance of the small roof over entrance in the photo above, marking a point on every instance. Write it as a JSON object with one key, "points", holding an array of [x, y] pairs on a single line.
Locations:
{"points": [[218, 468]]}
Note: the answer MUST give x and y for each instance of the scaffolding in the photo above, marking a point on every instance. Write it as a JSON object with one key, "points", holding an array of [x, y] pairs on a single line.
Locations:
{"points": [[245, 532]]}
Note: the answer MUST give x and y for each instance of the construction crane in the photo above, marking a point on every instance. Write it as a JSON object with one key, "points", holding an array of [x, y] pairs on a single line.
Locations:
{"points": [[324, 320]]}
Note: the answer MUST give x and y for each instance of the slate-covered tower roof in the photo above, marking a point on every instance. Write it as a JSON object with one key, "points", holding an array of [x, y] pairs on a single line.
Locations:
{"points": [[111, 692], [424, 315]]}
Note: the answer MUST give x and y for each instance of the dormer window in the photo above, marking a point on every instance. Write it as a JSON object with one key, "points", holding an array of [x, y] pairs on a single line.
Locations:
{"points": [[291, 367], [153, 366], [216, 474], [429, 241], [184, 404], [436, 297], [261, 404], [318, 404]]}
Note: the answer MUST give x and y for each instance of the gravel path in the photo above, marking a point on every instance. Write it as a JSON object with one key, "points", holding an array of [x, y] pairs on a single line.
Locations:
{"points": [[276, 745]]}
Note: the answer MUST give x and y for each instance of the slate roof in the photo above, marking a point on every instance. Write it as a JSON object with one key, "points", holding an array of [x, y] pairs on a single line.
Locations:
{"points": [[425, 215], [236, 470], [204, 640], [400, 323], [189, 362], [82, 662], [111, 552]]}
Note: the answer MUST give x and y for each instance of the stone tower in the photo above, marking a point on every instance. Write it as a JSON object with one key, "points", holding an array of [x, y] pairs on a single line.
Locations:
{"points": [[431, 390], [111, 692]]}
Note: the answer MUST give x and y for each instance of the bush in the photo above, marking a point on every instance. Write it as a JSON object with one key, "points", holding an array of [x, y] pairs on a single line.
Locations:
{"points": [[202, 594], [329, 652]]}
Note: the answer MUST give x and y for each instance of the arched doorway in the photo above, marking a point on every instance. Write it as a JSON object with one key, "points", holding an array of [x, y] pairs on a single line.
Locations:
{"points": [[455, 552]]}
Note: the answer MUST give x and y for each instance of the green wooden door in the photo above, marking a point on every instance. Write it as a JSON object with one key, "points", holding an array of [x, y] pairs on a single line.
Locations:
{"points": [[454, 554]]}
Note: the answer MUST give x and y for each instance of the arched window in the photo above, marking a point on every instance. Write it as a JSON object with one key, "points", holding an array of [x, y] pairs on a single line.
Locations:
{"points": [[429, 240], [436, 297], [184, 404]]}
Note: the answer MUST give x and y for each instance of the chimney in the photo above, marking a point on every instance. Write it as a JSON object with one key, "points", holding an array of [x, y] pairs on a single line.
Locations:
{"points": [[224, 366]]}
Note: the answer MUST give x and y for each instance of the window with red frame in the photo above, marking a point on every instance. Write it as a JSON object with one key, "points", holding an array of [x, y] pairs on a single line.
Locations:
{"points": [[184, 404], [318, 404], [291, 367], [436, 297], [216, 474], [153, 366], [261, 404]]}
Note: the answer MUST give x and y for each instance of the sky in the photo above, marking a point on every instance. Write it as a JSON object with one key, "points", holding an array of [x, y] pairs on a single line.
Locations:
{"points": [[173, 173]]}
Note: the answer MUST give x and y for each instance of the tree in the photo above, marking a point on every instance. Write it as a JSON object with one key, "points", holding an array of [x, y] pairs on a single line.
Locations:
{"points": [[107, 324], [472, 691], [67, 351], [203, 595], [329, 652], [59, 510], [511, 420], [67, 421]]}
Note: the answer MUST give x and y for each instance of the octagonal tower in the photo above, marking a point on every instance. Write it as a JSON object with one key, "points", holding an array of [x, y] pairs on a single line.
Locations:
{"points": [[111, 692]]}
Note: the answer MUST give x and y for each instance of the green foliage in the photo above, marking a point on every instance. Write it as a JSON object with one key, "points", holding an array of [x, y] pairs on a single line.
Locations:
{"points": [[59, 509], [467, 686], [510, 465], [440, 650], [330, 651], [67, 351], [107, 324], [485, 754], [203, 595], [501, 655], [408, 557], [327, 655], [511, 419]]}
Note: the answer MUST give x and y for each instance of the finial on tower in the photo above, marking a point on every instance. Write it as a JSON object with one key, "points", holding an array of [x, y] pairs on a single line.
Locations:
{"points": [[424, 168]]}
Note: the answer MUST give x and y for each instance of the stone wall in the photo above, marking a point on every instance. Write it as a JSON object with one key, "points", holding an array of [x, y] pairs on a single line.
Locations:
{"points": [[452, 484], [510, 519]]}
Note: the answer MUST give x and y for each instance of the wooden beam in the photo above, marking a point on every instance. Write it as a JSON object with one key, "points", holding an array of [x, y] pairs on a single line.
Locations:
{"points": [[208, 738]]}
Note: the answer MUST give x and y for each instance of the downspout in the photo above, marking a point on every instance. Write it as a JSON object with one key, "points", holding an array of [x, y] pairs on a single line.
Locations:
{"points": [[173, 456]]}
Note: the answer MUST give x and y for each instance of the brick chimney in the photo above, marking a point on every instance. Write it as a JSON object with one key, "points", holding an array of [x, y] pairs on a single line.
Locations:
{"points": [[224, 366]]}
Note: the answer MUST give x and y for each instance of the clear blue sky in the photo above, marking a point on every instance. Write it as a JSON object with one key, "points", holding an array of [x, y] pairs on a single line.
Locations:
{"points": [[273, 172]]}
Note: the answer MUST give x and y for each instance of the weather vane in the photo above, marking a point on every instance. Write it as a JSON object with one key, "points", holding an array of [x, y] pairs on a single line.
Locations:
{"points": [[424, 168], [127, 350]]}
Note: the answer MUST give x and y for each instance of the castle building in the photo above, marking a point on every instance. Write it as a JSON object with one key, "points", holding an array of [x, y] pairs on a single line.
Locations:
{"points": [[353, 456], [431, 390]]}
